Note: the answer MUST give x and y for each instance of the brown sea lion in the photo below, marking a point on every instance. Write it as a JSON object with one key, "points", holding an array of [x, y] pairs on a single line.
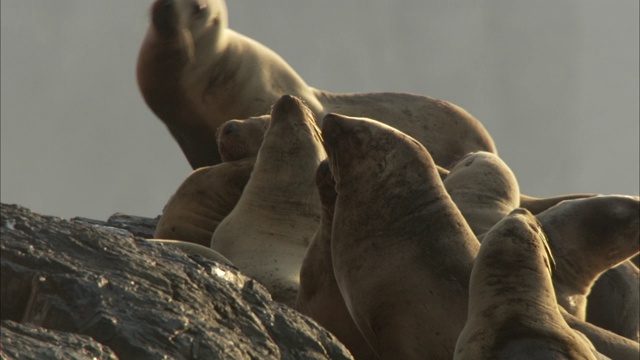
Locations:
{"points": [[319, 296], [607, 343], [267, 233], [484, 188], [513, 312], [536, 205], [203, 199], [614, 301], [195, 73], [239, 139], [402, 251], [588, 237]]}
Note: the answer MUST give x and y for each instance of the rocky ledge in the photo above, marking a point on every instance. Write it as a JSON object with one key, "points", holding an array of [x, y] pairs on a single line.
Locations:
{"points": [[80, 288]]}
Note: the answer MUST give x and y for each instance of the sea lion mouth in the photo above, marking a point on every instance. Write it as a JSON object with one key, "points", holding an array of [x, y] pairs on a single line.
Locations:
{"points": [[164, 18]]}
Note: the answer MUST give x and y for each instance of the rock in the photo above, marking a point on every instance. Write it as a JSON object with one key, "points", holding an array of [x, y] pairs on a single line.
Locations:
{"points": [[143, 227], [140, 299], [26, 341]]}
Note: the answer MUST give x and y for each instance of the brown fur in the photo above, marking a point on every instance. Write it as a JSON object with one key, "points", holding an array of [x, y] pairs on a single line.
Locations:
{"points": [[588, 237], [319, 296], [417, 251], [203, 199], [512, 309]]}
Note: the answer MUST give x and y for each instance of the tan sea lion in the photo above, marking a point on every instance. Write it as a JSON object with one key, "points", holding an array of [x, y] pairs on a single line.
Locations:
{"points": [[448, 131], [267, 232], [607, 343], [319, 296], [588, 237], [195, 73], [402, 251], [536, 205], [614, 301], [513, 312], [484, 188], [203, 199], [239, 139]]}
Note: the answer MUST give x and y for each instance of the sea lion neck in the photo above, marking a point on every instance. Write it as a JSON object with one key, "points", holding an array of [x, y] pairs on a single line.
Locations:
{"points": [[530, 285]]}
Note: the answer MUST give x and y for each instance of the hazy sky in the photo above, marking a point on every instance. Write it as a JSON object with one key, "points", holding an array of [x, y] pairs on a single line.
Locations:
{"points": [[555, 82]]}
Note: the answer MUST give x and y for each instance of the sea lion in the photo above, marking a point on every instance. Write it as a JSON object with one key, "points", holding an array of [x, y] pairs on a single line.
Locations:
{"points": [[194, 249], [484, 188], [195, 73], [513, 312], [402, 251], [239, 139], [614, 301], [607, 343], [267, 232], [319, 296], [448, 131], [588, 237], [203, 199], [536, 205]]}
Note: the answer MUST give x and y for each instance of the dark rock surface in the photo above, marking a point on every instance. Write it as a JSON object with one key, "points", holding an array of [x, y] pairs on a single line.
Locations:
{"points": [[26, 341], [143, 227], [140, 299]]}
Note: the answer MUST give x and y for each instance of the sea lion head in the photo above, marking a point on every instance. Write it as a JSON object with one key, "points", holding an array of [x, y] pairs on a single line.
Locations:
{"points": [[365, 148], [605, 227], [239, 139], [189, 21], [516, 242], [290, 112], [486, 168]]}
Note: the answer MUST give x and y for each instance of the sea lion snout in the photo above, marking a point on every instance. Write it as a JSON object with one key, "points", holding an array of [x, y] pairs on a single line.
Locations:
{"points": [[287, 105], [332, 125], [229, 127], [164, 17], [350, 131]]}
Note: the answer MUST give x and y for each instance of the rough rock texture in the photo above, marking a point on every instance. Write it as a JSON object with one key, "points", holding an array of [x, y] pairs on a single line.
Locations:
{"points": [[26, 341], [140, 299], [143, 227]]}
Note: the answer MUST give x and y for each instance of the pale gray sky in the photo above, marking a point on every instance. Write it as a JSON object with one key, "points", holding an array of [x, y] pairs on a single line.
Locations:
{"points": [[555, 82]]}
